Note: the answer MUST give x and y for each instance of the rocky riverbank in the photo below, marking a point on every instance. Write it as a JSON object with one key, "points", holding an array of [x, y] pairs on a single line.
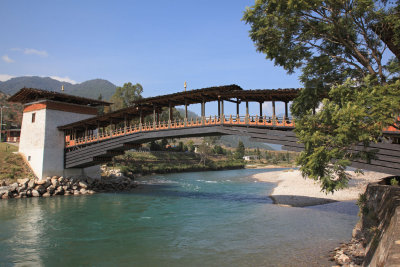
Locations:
{"points": [[54, 186]]}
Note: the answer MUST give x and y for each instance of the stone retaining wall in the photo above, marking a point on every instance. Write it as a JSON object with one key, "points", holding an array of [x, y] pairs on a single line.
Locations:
{"points": [[55, 185]]}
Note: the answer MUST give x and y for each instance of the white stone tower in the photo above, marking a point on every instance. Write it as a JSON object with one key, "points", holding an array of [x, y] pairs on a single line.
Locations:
{"points": [[41, 143]]}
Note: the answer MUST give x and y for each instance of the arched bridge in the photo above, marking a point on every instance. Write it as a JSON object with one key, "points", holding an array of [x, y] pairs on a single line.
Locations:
{"points": [[98, 139]]}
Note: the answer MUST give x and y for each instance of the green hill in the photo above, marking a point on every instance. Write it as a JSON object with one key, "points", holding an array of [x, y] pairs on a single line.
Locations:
{"points": [[90, 89]]}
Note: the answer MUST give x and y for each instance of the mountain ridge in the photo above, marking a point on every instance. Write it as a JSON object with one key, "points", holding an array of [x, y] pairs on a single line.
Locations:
{"points": [[90, 89]]}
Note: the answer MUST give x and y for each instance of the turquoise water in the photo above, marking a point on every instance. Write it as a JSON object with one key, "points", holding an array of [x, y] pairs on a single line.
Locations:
{"points": [[220, 218]]}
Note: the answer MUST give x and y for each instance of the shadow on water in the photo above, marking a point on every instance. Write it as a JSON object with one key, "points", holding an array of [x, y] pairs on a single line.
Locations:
{"points": [[171, 192]]}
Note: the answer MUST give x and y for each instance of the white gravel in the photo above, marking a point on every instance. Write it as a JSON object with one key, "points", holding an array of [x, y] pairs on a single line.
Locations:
{"points": [[296, 191]]}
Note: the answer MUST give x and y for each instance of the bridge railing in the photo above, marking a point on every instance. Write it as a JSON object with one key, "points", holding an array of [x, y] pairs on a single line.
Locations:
{"points": [[266, 121]]}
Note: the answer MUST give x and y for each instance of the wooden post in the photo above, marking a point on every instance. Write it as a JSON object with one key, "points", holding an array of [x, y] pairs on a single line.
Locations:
{"points": [[186, 114], [203, 112], [273, 113], [247, 112], [237, 107], [286, 112], [219, 108], [169, 115], [222, 108], [154, 117]]}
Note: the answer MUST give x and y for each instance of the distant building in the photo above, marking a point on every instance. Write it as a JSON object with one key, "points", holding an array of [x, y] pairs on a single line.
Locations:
{"points": [[11, 135], [250, 157]]}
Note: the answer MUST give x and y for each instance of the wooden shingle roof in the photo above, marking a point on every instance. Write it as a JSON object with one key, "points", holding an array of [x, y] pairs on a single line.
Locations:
{"points": [[28, 95]]}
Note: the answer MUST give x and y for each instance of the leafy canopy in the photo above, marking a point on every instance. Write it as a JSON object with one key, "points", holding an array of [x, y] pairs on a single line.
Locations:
{"points": [[342, 49], [124, 95]]}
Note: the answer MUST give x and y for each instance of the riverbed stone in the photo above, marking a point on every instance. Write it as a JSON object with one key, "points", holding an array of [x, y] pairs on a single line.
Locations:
{"points": [[83, 184], [76, 192], [31, 183], [5, 196], [41, 189], [54, 182], [13, 187], [23, 181], [35, 193], [46, 194]]}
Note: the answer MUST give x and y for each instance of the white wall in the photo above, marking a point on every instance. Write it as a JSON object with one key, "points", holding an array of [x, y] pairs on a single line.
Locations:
{"points": [[32, 139], [44, 143]]}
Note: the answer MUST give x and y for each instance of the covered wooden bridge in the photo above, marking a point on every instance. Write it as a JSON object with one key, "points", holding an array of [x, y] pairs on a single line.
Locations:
{"points": [[98, 139]]}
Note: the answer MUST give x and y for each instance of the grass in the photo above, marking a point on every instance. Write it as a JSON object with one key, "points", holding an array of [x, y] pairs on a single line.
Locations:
{"points": [[171, 162], [12, 164]]}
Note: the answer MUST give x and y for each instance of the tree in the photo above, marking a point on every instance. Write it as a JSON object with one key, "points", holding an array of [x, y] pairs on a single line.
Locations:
{"points": [[204, 152], [191, 146], [125, 95], [339, 47], [239, 153], [100, 109]]}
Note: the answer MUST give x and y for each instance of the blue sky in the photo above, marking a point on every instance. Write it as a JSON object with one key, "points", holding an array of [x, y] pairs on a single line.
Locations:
{"points": [[158, 44]]}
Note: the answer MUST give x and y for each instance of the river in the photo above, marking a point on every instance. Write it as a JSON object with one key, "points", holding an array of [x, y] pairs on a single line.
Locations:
{"points": [[221, 218]]}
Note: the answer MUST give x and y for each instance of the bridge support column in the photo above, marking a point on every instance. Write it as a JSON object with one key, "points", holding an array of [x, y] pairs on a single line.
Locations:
{"points": [[261, 112], [286, 112], [169, 115], [273, 113], [237, 107], [222, 111], [219, 108], [154, 117], [246, 120]]}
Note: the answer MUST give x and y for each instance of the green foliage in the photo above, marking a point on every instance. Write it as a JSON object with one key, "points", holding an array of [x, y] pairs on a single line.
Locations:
{"points": [[240, 150], [124, 95], [191, 146], [355, 113], [394, 182], [219, 150], [339, 46]]}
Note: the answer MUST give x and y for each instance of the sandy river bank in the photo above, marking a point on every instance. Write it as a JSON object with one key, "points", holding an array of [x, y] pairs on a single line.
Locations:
{"points": [[293, 190]]}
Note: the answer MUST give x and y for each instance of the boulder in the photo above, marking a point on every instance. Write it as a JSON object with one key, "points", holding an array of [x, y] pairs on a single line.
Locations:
{"points": [[28, 193], [31, 183], [3, 183], [54, 182], [23, 181], [61, 180], [51, 189], [5, 196], [35, 193], [83, 191], [40, 182], [13, 187], [82, 184], [76, 192], [22, 194], [41, 189], [46, 194]]}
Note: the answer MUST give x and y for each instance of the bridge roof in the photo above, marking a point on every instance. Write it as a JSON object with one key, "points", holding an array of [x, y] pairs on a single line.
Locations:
{"points": [[27, 95], [191, 97], [219, 92]]}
